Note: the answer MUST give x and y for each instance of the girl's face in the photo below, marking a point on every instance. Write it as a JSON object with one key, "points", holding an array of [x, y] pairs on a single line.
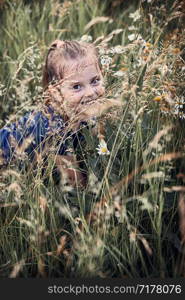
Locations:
{"points": [[82, 84]]}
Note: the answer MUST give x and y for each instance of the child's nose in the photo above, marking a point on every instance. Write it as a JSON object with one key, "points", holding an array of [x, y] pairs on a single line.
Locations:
{"points": [[89, 91]]}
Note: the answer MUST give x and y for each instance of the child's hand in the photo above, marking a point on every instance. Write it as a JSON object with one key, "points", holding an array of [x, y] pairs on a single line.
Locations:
{"points": [[69, 169]]}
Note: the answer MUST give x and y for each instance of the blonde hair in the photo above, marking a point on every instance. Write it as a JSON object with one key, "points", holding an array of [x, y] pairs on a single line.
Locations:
{"points": [[59, 52]]}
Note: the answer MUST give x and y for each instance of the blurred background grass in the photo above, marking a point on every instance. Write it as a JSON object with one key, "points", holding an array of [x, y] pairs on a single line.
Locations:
{"points": [[129, 219]]}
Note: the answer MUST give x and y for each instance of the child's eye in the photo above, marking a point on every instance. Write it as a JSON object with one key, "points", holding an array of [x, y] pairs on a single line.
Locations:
{"points": [[95, 81], [76, 87]]}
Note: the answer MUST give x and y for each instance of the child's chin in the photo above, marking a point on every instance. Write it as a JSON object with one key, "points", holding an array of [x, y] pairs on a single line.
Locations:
{"points": [[86, 112]]}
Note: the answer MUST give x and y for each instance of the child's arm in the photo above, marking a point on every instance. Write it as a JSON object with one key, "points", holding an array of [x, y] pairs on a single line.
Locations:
{"points": [[11, 139], [19, 139], [4, 147]]}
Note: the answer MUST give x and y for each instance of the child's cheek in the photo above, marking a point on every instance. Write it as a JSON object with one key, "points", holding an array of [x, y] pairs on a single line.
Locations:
{"points": [[75, 98], [101, 91], [71, 102]]}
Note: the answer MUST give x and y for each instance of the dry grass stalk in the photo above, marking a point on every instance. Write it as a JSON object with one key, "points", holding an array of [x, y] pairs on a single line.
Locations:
{"points": [[9, 172], [96, 21], [26, 222], [42, 203], [181, 210], [174, 189], [41, 267], [146, 245], [13, 204], [154, 143], [102, 204], [17, 268], [123, 182]]}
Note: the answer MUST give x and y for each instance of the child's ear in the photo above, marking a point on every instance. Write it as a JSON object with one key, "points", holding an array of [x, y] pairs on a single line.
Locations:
{"points": [[45, 77], [47, 74], [56, 44]]}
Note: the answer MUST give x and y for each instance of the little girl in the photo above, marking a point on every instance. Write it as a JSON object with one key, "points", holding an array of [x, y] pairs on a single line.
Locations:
{"points": [[73, 94]]}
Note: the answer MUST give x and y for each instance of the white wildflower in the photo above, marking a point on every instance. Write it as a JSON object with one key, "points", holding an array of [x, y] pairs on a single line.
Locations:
{"points": [[131, 28], [119, 73], [86, 38], [140, 62], [135, 16], [178, 108], [102, 148], [163, 69], [111, 51], [102, 51], [182, 116], [140, 38], [132, 37], [105, 60], [118, 49]]}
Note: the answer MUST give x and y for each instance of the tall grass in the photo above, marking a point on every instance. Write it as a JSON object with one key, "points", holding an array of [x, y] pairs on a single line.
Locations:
{"points": [[125, 222]]}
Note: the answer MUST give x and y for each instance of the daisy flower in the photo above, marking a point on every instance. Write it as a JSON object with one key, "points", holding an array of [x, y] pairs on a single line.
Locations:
{"points": [[135, 16], [118, 49], [86, 38], [105, 60], [119, 73], [132, 37], [102, 148]]}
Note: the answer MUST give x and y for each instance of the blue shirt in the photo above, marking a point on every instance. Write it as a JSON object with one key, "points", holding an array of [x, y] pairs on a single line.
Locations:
{"points": [[32, 132]]}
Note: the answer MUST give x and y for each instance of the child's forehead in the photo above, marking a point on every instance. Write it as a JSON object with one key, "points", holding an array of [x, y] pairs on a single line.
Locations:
{"points": [[79, 65]]}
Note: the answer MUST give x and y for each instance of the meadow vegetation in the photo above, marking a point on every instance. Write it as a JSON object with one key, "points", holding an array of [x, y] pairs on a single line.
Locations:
{"points": [[130, 219]]}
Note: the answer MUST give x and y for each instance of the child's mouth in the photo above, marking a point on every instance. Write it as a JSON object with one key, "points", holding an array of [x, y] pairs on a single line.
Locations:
{"points": [[88, 101]]}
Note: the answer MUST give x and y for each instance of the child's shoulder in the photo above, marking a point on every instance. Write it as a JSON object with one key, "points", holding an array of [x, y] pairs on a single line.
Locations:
{"points": [[41, 120], [44, 115]]}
